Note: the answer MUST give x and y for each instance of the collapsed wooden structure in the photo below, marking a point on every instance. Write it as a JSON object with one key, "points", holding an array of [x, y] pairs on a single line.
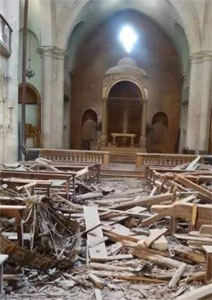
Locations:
{"points": [[61, 211]]}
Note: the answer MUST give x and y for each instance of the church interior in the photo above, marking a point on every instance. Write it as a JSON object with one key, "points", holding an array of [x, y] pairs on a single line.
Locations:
{"points": [[106, 149]]}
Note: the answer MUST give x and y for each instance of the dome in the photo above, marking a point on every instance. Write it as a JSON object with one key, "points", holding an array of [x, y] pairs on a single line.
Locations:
{"points": [[126, 65], [126, 61]]}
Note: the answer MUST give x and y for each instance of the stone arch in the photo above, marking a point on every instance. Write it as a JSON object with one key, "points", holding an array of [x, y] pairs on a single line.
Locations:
{"points": [[126, 70], [33, 113], [160, 117], [73, 15], [159, 133], [89, 129], [143, 91]]}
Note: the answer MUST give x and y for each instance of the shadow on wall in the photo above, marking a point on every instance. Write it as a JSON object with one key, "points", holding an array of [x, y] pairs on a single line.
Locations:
{"points": [[89, 130], [158, 134]]}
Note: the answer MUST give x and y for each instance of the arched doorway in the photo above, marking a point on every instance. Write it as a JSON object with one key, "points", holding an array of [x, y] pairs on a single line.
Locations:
{"points": [[124, 113], [158, 133], [89, 129], [125, 94], [33, 115]]}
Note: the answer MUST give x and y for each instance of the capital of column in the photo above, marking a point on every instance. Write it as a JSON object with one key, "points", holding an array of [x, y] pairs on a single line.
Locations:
{"points": [[54, 52], [201, 56]]}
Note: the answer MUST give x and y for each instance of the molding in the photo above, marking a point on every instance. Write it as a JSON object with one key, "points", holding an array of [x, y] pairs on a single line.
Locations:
{"points": [[54, 52], [201, 56]]}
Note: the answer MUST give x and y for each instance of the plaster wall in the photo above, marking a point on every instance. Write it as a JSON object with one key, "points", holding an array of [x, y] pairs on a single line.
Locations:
{"points": [[9, 87], [154, 52]]}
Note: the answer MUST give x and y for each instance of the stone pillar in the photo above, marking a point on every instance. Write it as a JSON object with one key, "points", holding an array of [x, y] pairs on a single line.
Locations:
{"points": [[143, 127], [125, 120], [104, 123], [58, 99], [53, 97], [199, 102], [192, 132], [183, 111], [46, 110], [205, 102]]}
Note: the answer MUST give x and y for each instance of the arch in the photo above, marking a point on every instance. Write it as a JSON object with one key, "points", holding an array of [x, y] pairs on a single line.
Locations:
{"points": [[186, 13], [89, 114], [89, 129], [143, 91], [32, 98], [31, 89], [160, 117]]}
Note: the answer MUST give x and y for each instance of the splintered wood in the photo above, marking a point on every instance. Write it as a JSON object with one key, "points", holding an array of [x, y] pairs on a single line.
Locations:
{"points": [[98, 252], [159, 232]]}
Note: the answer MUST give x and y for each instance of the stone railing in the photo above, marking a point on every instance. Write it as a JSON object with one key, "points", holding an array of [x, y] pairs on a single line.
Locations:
{"points": [[169, 160], [77, 156]]}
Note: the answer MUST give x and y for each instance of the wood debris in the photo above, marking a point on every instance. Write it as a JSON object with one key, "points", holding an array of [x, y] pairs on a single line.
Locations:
{"points": [[96, 234]]}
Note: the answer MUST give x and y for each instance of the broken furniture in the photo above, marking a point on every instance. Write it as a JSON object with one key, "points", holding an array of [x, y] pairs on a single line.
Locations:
{"points": [[3, 258]]}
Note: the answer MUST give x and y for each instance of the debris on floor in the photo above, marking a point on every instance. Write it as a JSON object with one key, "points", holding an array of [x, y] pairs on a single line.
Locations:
{"points": [[70, 235]]}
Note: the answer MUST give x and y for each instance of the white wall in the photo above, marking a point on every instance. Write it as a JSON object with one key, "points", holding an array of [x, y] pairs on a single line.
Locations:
{"points": [[8, 87]]}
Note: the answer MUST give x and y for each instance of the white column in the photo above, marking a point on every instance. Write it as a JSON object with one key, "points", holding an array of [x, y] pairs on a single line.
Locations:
{"points": [[53, 97], [205, 102], [104, 124], [46, 109], [58, 100], [193, 121]]}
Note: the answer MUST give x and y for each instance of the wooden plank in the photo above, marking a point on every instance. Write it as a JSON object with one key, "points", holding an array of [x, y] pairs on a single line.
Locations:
{"points": [[206, 229], [96, 280], [188, 183], [193, 165], [208, 250], [117, 216], [197, 294], [177, 275], [99, 252], [144, 201], [182, 236], [98, 294], [151, 220], [155, 258], [120, 257], [128, 276], [154, 235], [184, 210]]}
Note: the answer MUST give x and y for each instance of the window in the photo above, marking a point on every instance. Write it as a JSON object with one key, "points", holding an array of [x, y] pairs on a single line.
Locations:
{"points": [[128, 38], [5, 36]]}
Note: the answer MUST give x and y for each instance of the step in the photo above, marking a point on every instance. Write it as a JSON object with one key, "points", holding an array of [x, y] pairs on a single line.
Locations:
{"points": [[122, 173]]}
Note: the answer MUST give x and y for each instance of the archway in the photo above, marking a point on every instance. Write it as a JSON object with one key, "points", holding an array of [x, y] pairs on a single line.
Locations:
{"points": [[125, 95], [89, 130], [124, 106], [159, 133], [33, 115]]}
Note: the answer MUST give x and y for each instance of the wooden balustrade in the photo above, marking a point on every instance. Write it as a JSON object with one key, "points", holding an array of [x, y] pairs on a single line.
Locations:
{"points": [[77, 156], [154, 159]]}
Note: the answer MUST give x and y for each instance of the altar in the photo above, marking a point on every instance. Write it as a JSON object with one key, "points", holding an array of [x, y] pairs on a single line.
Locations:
{"points": [[125, 97], [123, 135]]}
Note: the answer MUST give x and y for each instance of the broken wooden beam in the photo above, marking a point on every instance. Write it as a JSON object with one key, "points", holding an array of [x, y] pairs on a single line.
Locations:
{"points": [[98, 252], [184, 210], [177, 275]]}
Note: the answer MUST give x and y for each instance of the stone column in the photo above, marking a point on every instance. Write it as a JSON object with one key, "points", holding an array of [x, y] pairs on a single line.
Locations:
{"points": [[125, 120], [53, 97], [199, 102], [192, 132], [205, 102], [58, 99], [143, 126], [183, 110], [46, 111], [104, 124]]}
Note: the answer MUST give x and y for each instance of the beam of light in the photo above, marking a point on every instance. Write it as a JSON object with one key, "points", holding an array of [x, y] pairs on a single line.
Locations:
{"points": [[127, 37]]}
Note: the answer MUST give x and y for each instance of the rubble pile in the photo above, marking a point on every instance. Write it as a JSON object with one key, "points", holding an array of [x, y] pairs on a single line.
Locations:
{"points": [[76, 236]]}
